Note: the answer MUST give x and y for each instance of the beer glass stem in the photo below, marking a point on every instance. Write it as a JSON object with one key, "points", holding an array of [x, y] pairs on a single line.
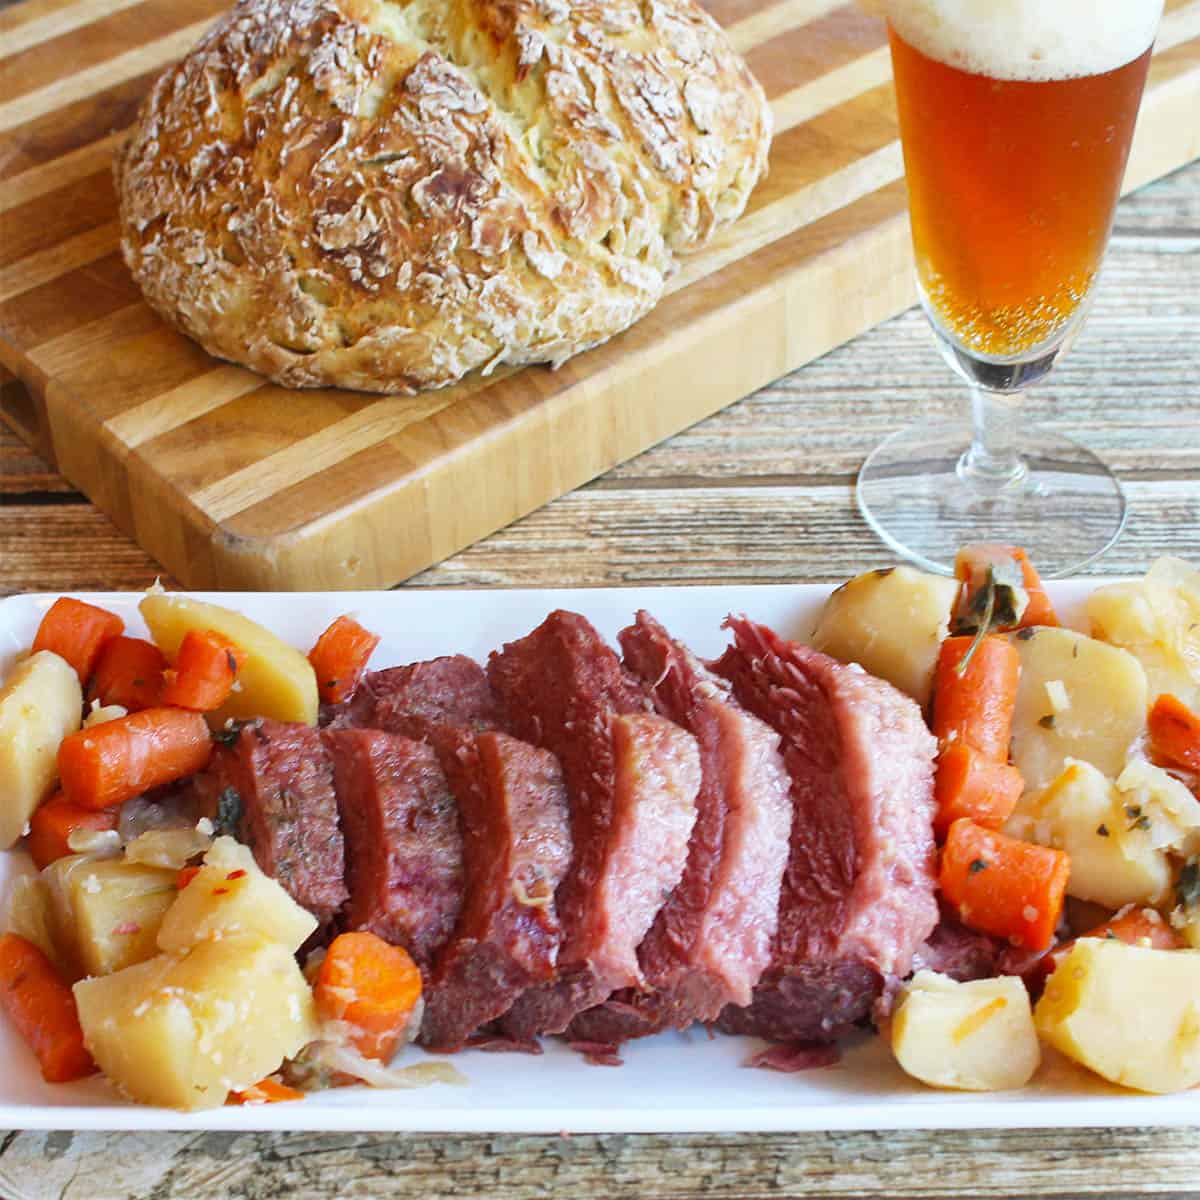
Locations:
{"points": [[991, 463]]}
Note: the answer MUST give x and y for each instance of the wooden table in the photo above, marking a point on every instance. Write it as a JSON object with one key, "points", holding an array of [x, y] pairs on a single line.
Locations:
{"points": [[762, 492]]}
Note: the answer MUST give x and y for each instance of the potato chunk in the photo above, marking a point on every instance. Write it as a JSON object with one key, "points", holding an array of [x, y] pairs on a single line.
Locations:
{"points": [[230, 896], [1129, 1013], [40, 704], [975, 1036], [276, 680], [1158, 620], [185, 1030], [30, 916], [1105, 696], [1114, 860], [891, 623], [107, 912]]}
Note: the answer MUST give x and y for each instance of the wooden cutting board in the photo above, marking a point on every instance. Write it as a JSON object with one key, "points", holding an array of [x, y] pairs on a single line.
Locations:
{"points": [[231, 482]]}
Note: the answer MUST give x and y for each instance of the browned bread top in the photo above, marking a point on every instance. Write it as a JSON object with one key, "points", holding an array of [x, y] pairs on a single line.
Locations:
{"points": [[384, 195]]}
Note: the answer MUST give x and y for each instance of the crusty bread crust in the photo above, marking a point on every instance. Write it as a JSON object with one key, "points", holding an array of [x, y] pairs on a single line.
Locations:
{"points": [[385, 195]]}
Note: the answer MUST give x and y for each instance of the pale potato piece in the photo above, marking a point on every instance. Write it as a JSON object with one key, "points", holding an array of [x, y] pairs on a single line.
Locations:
{"points": [[1129, 1013], [1107, 702], [975, 1036], [1113, 861], [231, 896], [891, 622], [40, 704], [143, 1038], [1158, 620], [113, 914], [30, 916], [276, 680], [185, 1030]]}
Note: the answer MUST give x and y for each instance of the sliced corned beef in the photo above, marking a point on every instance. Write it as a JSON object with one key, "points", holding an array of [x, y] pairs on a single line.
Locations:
{"points": [[712, 939], [272, 787], [403, 846], [632, 779], [516, 846], [858, 892], [418, 698]]}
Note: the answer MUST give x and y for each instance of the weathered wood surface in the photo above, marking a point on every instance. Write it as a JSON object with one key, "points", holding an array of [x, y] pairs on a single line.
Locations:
{"points": [[1108, 1164], [761, 492], [233, 483]]}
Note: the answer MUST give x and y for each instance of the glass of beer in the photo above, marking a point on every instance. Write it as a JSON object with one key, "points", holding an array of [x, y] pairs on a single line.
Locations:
{"points": [[1015, 119]]}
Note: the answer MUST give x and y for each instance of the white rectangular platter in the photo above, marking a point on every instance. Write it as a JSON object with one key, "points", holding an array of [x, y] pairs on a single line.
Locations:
{"points": [[672, 1083]]}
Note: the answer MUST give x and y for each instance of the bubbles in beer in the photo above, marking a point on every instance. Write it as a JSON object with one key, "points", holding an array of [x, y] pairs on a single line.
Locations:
{"points": [[1031, 40], [1004, 330]]}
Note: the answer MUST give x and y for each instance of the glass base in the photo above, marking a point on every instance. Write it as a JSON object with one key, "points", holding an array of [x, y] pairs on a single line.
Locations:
{"points": [[920, 495], [1003, 374]]}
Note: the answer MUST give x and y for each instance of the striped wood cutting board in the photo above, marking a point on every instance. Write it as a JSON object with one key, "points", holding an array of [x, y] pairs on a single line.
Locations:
{"points": [[233, 483]]}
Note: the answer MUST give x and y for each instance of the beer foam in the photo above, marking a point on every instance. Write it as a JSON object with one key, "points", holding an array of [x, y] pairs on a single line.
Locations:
{"points": [[1032, 40]]}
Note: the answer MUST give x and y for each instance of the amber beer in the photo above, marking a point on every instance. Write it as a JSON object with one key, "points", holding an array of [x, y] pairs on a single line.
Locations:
{"points": [[1015, 142]]}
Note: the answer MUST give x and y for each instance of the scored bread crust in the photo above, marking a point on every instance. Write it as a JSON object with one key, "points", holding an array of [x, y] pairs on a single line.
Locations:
{"points": [[385, 195]]}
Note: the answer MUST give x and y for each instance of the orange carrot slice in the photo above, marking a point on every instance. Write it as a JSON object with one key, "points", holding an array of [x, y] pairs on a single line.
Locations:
{"points": [[52, 824], [1002, 886], [1175, 732], [77, 632], [968, 784], [370, 985], [340, 657], [110, 763], [129, 672], [206, 670], [40, 1004], [976, 708]]}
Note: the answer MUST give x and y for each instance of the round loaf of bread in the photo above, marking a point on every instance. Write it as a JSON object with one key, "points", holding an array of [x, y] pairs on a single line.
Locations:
{"points": [[387, 194]]}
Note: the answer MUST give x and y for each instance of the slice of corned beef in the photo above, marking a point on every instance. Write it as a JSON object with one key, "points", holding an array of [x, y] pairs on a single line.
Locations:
{"points": [[712, 939], [272, 787], [632, 779], [403, 846], [858, 892], [516, 846], [418, 698]]}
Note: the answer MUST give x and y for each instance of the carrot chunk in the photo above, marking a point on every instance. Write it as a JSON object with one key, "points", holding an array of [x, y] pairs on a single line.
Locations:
{"points": [[52, 824], [77, 632], [1175, 732], [370, 985], [110, 763], [1139, 926], [975, 708], [206, 670], [968, 784], [40, 1004], [1003, 886], [340, 657], [129, 672], [265, 1091], [972, 564]]}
